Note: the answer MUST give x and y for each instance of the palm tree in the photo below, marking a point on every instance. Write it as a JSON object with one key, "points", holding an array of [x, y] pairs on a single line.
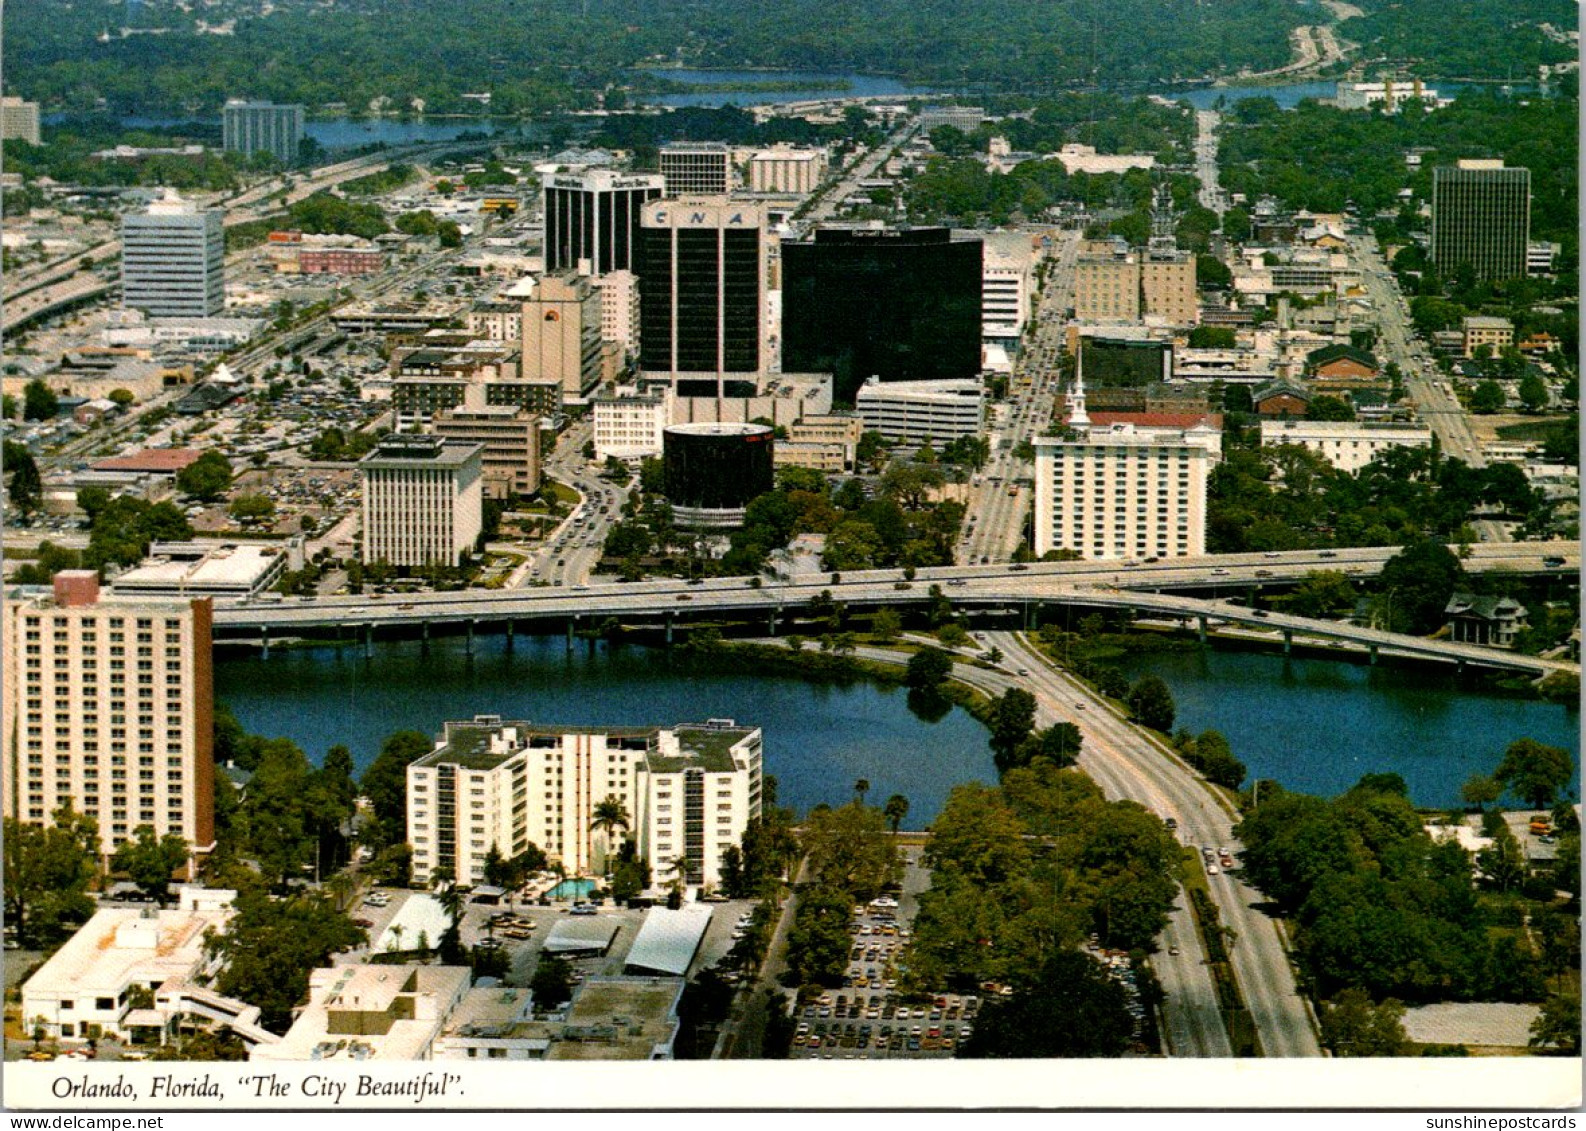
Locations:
{"points": [[610, 815], [896, 808], [861, 787], [396, 936]]}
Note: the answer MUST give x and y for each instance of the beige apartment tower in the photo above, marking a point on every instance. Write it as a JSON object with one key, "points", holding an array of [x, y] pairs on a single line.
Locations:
{"points": [[109, 705], [690, 791], [510, 437]]}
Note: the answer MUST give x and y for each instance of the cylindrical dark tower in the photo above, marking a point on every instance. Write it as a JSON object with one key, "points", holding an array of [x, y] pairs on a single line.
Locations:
{"points": [[714, 470]]}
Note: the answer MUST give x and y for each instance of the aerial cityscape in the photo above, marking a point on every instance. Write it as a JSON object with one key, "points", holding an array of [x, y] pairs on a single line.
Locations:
{"points": [[645, 532]]}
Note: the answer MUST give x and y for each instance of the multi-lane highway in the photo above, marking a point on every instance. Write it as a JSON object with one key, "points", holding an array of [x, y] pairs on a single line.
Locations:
{"points": [[1128, 762], [999, 500], [1191, 1016]]}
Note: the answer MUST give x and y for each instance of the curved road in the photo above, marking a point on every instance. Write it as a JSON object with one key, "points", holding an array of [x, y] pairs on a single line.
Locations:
{"points": [[1138, 765]]}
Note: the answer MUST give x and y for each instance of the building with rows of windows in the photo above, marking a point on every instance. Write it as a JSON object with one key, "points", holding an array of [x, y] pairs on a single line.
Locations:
{"points": [[1125, 485], [109, 705], [689, 792]]}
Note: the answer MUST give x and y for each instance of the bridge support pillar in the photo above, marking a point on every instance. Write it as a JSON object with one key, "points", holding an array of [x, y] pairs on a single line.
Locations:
{"points": [[468, 645], [1288, 641], [264, 641], [1459, 667], [571, 623], [670, 618], [368, 641], [1201, 629], [424, 637], [509, 634], [771, 623], [1371, 651]]}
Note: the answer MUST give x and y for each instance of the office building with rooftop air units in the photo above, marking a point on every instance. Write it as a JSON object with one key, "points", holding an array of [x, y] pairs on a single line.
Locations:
{"points": [[422, 500], [173, 260]]}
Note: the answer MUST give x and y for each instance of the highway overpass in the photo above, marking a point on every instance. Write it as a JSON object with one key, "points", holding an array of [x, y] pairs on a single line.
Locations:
{"points": [[1012, 590]]}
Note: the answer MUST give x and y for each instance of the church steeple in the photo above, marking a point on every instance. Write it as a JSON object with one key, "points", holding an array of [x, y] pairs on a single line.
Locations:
{"points": [[1076, 399]]}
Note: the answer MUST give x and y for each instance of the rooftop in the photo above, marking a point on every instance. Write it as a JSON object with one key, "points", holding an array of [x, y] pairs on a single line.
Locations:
{"points": [[668, 940], [620, 1019], [368, 1012], [420, 451], [119, 946], [192, 565], [165, 461]]}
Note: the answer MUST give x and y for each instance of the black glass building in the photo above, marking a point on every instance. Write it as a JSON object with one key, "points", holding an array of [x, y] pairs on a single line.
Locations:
{"points": [[701, 288], [712, 471], [594, 217], [898, 304]]}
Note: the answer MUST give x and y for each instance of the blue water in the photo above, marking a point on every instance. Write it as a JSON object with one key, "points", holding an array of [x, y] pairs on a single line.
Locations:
{"points": [[819, 737], [816, 85], [1317, 726], [572, 889], [350, 133]]}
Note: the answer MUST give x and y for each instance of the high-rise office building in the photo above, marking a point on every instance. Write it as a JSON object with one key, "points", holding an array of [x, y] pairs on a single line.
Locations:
{"points": [[702, 288], [690, 792], [19, 120], [1107, 285], [697, 168], [173, 260], [562, 333], [262, 127], [1481, 217], [510, 437], [592, 219], [109, 704], [422, 500], [898, 304]]}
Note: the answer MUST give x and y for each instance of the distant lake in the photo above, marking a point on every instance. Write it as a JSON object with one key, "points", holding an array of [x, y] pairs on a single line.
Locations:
{"points": [[811, 85], [350, 133]]}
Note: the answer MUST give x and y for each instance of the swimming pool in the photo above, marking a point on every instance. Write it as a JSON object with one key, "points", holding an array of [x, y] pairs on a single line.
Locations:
{"points": [[572, 889]]}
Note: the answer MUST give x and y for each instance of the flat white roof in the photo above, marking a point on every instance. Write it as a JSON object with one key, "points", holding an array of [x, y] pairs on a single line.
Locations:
{"points": [[239, 566], [668, 940], [121, 945]]}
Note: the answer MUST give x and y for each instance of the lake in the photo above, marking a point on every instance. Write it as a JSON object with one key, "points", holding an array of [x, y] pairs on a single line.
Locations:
{"points": [[819, 737], [1317, 725]]}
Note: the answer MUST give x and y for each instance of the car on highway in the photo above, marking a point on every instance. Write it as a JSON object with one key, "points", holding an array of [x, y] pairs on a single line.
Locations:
{"points": [[1213, 870]]}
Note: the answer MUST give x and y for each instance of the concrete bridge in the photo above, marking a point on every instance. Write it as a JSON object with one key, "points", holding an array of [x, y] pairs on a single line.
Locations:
{"points": [[1015, 592]]}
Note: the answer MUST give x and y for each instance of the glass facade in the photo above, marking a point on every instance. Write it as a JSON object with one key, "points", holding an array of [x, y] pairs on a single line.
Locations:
{"points": [[899, 305], [1120, 362], [717, 466], [699, 300], [594, 223], [1481, 217]]}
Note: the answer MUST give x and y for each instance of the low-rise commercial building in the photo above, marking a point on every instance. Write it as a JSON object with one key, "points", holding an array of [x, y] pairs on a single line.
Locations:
{"points": [[629, 422], [88, 988], [1346, 445], [608, 1019], [689, 790], [922, 412], [365, 1012], [1496, 334], [510, 437], [224, 571]]}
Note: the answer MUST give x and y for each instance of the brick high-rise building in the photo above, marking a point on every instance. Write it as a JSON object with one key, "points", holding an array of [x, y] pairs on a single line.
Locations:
{"points": [[109, 704]]}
